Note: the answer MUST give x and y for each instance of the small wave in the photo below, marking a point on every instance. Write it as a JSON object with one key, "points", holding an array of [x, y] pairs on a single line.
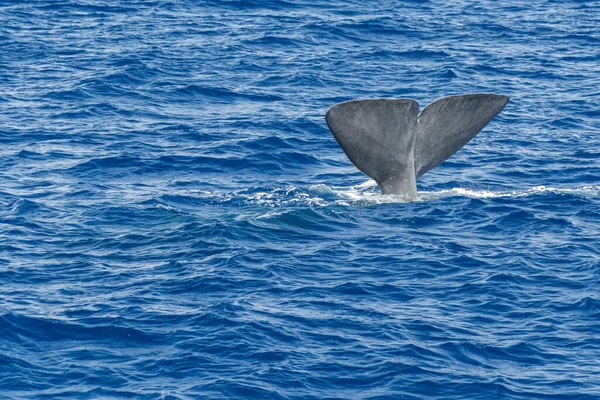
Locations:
{"points": [[199, 91], [273, 40], [67, 95], [416, 54]]}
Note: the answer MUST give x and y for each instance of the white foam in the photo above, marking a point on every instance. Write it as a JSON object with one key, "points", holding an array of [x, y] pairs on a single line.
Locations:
{"points": [[367, 193]]}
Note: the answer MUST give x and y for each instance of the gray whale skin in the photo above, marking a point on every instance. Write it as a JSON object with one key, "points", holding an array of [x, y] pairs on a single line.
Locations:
{"points": [[389, 141]]}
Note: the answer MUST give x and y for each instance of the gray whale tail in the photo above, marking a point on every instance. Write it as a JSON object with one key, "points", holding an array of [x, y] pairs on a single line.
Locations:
{"points": [[389, 141]]}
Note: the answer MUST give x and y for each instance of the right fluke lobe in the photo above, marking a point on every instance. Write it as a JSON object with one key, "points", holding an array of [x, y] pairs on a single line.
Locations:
{"points": [[448, 124], [387, 139]]}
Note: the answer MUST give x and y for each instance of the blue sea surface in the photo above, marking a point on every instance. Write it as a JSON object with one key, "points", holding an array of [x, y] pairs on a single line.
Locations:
{"points": [[177, 221]]}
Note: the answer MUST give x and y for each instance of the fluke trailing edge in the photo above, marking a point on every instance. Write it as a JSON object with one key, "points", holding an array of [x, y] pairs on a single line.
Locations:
{"points": [[388, 140]]}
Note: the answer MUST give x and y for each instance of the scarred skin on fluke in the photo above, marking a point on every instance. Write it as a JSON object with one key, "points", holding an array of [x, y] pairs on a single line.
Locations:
{"points": [[389, 141]]}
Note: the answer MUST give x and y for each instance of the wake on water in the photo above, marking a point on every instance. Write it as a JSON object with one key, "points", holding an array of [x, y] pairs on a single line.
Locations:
{"points": [[366, 194]]}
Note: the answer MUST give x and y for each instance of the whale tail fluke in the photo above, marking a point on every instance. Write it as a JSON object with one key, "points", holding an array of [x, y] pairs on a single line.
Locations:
{"points": [[390, 142]]}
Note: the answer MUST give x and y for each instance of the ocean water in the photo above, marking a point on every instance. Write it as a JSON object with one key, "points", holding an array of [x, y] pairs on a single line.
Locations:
{"points": [[177, 222]]}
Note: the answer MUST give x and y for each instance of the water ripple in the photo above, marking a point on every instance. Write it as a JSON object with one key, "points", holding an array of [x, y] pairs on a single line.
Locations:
{"points": [[177, 222]]}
